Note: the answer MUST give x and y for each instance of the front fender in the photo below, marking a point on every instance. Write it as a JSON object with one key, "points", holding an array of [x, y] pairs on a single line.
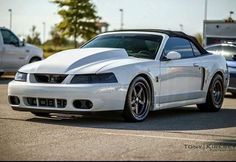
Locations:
{"points": [[126, 73]]}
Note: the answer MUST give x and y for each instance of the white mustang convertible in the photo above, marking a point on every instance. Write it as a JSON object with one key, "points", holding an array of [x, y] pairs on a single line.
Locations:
{"points": [[135, 71]]}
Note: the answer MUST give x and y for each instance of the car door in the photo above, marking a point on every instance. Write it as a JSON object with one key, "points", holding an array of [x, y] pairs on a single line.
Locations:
{"points": [[13, 55], [180, 79]]}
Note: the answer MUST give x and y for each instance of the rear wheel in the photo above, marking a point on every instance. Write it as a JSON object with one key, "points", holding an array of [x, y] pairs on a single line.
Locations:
{"points": [[138, 100], [41, 114], [215, 95]]}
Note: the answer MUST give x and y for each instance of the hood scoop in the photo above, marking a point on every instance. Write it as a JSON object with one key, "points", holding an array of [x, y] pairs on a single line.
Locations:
{"points": [[65, 61]]}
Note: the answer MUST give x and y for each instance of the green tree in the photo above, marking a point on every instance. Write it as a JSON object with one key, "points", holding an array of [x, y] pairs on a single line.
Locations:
{"points": [[78, 19], [57, 38], [34, 37], [199, 38], [229, 19]]}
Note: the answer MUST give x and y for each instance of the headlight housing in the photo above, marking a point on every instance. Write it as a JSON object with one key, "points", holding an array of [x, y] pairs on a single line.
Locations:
{"points": [[94, 78], [21, 76]]}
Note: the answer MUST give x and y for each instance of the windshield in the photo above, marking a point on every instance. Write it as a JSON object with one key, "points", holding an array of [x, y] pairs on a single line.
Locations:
{"points": [[136, 45]]}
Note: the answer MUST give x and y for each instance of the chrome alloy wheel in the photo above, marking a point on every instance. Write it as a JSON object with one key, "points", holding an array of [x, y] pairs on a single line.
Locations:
{"points": [[139, 100], [215, 95], [217, 92]]}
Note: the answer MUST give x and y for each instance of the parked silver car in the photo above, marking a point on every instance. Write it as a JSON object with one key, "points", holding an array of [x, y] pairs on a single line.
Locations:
{"points": [[229, 52], [15, 53]]}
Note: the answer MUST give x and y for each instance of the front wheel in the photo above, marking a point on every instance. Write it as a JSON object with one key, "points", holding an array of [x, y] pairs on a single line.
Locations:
{"points": [[215, 96], [138, 100]]}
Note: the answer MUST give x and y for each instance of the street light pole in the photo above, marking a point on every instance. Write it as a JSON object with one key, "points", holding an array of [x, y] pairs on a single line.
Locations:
{"points": [[205, 17], [121, 18], [10, 10], [44, 32], [204, 24]]}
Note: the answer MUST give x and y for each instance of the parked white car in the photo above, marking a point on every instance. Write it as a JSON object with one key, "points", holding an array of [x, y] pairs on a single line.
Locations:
{"points": [[131, 71], [15, 53]]}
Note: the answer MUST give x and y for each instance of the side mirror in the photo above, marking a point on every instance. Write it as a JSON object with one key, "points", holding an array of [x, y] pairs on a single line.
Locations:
{"points": [[173, 55]]}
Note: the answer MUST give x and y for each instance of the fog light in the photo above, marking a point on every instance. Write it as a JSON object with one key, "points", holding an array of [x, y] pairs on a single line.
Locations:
{"points": [[14, 100], [83, 104]]}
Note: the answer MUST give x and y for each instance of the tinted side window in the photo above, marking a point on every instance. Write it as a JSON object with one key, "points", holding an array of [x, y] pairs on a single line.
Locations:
{"points": [[195, 50], [179, 45], [9, 38]]}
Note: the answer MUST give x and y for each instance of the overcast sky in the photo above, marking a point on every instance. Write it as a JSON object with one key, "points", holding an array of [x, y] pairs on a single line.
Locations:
{"points": [[162, 14]]}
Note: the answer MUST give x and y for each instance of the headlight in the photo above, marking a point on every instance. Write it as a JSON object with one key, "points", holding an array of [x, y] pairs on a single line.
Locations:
{"points": [[94, 78], [21, 76]]}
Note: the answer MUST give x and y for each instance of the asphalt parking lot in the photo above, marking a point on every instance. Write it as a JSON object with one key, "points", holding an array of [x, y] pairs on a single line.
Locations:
{"points": [[174, 134]]}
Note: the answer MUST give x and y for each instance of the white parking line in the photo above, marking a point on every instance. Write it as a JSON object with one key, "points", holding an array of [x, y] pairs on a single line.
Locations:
{"points": [[171, 138]]}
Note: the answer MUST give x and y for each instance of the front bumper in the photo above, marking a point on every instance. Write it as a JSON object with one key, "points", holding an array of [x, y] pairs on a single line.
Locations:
{"points": [[104, 97]]}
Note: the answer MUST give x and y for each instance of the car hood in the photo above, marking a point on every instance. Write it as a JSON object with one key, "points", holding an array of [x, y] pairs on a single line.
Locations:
{"points": [[87, 60]]}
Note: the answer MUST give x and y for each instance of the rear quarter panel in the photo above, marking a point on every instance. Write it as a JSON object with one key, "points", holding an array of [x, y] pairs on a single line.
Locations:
{"points": [[213, 64]]}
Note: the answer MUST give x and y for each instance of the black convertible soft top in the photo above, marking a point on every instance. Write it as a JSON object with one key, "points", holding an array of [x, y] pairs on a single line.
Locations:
{"points": [[170, 34]]}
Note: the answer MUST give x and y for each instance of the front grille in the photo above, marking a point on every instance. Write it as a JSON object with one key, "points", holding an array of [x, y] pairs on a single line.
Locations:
{"points": [[45, 102], [50, 78]]}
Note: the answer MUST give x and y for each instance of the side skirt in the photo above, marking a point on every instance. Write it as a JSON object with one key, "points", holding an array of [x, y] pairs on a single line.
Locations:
{"points": [[178, 104]]}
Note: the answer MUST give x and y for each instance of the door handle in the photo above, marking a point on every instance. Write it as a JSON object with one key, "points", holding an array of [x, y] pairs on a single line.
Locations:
{"points": [[195, 65]]}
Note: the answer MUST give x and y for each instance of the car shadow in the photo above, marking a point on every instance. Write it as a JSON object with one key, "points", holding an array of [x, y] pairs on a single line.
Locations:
{"points": [[175, 119], [228, 95]]}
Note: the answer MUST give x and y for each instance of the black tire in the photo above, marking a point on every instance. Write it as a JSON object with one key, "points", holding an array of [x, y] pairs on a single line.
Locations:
{"points": [[1, 73], [34, 59], [138, 100], [215, 96], [41, 114]]}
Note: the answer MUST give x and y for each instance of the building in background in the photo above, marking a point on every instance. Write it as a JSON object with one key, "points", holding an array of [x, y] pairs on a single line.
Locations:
{"points": [[102, 27], [219, 31]]}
